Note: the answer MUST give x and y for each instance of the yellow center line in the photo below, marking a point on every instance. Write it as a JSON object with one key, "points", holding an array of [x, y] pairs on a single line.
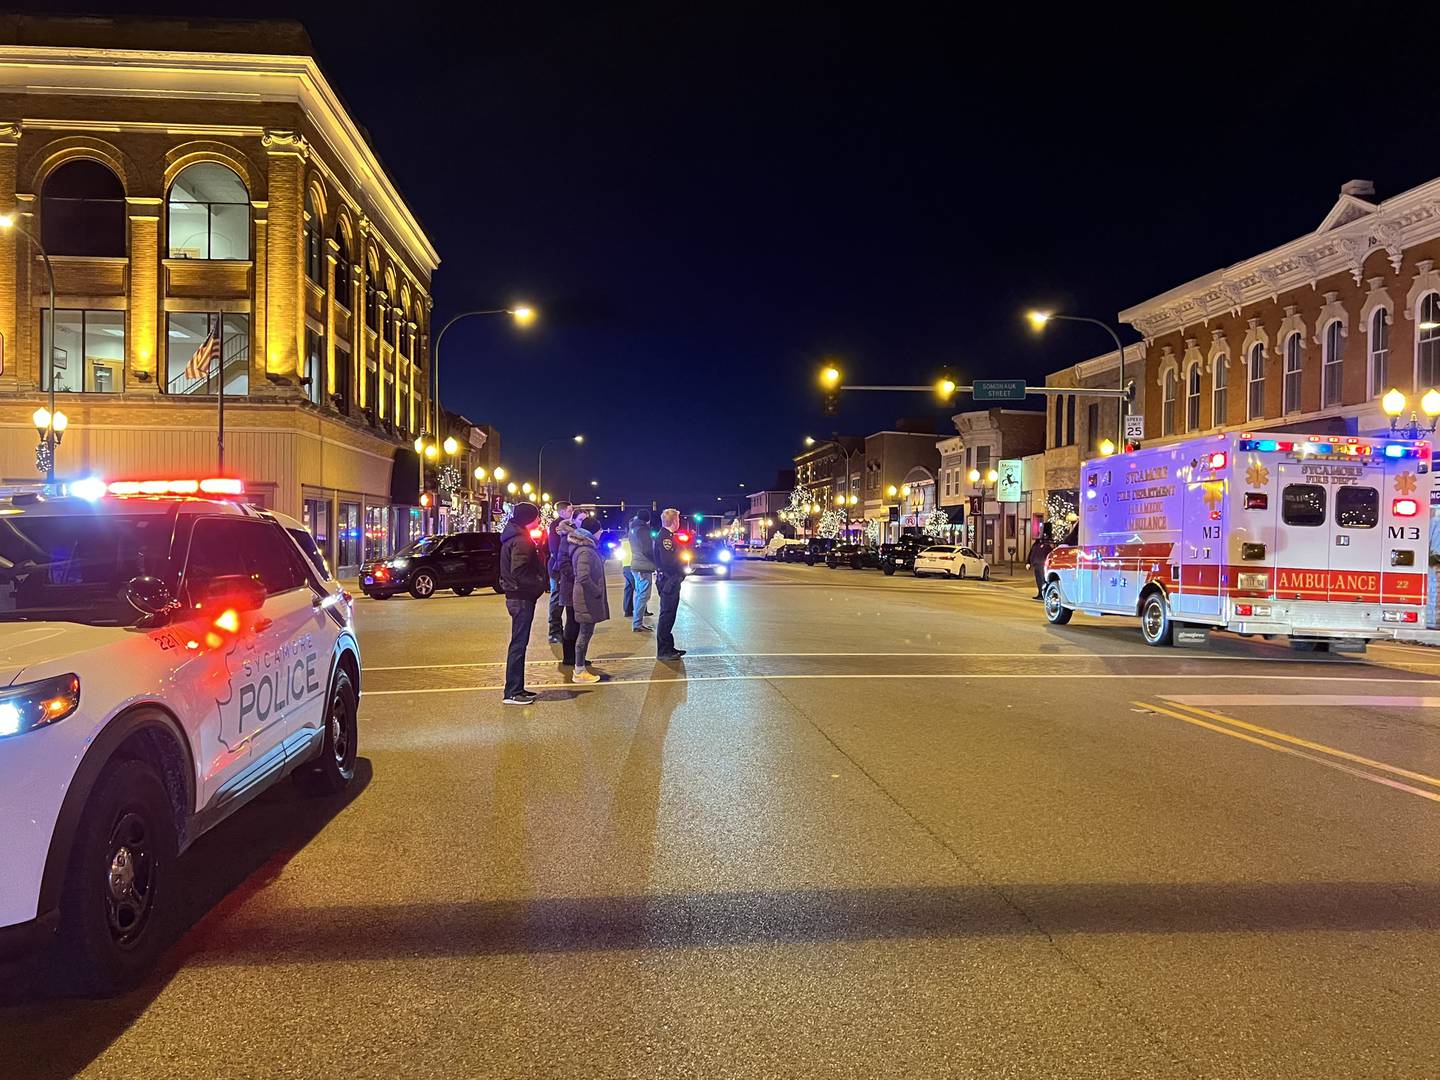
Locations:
{"points": [[1321, 747], [1281, 748]]}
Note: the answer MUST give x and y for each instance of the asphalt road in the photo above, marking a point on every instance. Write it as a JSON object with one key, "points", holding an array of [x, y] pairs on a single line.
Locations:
{"points": [[870, 827]]}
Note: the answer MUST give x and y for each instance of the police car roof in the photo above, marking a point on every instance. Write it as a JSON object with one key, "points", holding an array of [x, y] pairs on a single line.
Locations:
{"points": [[70, 505]]}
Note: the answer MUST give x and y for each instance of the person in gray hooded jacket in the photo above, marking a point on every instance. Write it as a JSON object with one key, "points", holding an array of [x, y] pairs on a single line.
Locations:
{"points": [[590, 597]]}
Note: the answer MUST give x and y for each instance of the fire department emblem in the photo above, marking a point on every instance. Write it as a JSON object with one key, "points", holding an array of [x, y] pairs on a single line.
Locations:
{"points": [[1405, 483], [1257, 475]]}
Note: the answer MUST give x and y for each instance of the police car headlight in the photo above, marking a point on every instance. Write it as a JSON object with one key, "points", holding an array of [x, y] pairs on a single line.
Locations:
{"points": [[32, 705], [399, 564], [724, 556]]}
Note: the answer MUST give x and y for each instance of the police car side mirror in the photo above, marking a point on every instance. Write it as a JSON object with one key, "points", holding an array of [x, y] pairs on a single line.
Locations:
{"points": [[149, 595]]}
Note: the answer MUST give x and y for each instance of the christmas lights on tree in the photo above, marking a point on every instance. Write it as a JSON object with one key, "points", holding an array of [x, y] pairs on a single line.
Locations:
{"points": [[872, 532], [797, 513], [937, 524], [830, 524]]}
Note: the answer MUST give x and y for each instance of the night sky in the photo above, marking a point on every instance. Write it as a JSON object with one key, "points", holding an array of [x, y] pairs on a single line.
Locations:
{"points": [[703, 204]]}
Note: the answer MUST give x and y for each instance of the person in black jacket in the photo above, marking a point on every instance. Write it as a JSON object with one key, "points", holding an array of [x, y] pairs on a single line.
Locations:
{"points": [[564, 512], [523, 580], [672, 574]]}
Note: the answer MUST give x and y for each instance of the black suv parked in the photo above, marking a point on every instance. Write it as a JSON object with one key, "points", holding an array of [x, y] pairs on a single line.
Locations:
{"points": [[855, 556], [815, 551], [460, 561], [901, 556]]}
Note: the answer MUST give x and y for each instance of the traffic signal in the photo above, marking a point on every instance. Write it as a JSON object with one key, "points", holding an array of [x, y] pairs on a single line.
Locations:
{"points": [[832, 402]]}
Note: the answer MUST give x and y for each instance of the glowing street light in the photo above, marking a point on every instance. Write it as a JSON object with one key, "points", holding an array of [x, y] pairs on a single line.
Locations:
{"points": [[945, 387], [523, 314], [1393, 402], [1039, 320], [511, 488], [431, 451], [528, 488], [480, 473], [1430, 403], [830, 376], [500, 473], [1107, 447], [451, 446]]}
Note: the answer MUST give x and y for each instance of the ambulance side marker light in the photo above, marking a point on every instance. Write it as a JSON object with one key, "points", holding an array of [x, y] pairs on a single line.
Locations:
{"points": [[1405, 507], [1217, 461], [1256, 500]]}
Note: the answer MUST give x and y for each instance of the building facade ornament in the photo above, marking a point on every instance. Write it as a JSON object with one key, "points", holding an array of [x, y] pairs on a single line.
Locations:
{"points": [[1218, 347], [1427, 280], [1168, 364], [276, 141], [1233, 294], [1391, 236], [10, 131], [1293, 323], [1332, 312], [1256, 334], [1355, 248], [1376, 299]]}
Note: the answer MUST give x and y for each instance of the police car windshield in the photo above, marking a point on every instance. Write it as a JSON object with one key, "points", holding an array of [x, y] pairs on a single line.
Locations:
{"points": [[68, 568]]}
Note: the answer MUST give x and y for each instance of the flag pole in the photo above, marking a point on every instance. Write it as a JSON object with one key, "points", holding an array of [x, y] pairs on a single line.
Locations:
{"points": [[220, 434]]}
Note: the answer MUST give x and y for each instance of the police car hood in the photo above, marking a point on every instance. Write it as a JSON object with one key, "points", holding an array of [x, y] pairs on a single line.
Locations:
{"points": [[28, 644]]}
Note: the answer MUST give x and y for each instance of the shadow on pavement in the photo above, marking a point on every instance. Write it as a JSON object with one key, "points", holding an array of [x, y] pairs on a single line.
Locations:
{"points": [[43, 1035], [802, 916]]}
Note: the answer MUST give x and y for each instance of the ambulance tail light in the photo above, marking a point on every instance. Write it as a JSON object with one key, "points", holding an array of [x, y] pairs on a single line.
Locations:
{"points": [[1405, 507], [1252, 582], [1218, 460], [1245, 611], [1400, 616]]}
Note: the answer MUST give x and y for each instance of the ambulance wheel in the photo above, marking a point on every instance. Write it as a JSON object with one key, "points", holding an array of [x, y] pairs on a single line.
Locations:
{"points": [[120, 883], [1155, 622], [1310, 646], [464, 590], [333, 770], [423, 587], [1056, 613]]}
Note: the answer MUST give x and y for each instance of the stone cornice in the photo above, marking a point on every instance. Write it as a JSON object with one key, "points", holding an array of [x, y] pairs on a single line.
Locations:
{"points": [[1350, 235]]}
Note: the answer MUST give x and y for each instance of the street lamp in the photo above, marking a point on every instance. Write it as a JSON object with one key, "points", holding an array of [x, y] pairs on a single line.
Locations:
{"points": [[1040, 319], [523, 314], [51, 436], [451, 446], [527, 487], [510, 488], [810, 440], [990, 478], [50, 427], [480, 474], [1394, 403], [578, 440]]}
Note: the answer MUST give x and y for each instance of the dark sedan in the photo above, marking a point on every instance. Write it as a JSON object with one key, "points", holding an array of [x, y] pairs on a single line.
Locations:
{"points": [[901, 555], [854, 556], [461, 562]]}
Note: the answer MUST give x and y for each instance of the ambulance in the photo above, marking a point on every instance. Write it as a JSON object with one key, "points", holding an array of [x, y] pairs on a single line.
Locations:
{"points": [[1320, 539]]}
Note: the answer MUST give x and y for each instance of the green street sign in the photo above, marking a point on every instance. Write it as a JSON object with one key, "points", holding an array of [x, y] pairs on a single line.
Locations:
{"points": [[998, 390]]}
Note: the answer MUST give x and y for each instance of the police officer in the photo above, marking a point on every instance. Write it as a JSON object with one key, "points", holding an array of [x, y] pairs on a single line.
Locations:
{"points": [[672, 574]]}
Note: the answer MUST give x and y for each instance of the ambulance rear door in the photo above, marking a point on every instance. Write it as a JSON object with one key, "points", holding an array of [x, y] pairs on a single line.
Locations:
{"points": [[1357, 541]]}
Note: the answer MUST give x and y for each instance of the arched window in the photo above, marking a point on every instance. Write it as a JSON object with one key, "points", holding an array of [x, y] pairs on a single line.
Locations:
{"points": [[1255, 389], [82, 211], [1379, 350], [1192, 398], [209, 214], [1334, 365], [1427, 343], [1218, 413], [1292, 373], [342, 268], [1167, 416], [314, 243]]}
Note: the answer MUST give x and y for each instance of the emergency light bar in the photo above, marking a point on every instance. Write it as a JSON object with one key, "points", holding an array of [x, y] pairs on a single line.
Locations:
{"points": [[1336, 445], [92, 487]]}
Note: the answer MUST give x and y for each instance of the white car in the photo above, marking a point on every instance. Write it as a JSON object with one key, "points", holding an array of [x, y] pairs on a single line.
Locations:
{"points": [[951, 561], [165, 656]]}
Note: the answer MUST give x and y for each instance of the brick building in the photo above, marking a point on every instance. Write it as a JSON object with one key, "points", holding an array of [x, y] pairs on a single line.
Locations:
{"points": [[822, 470], [1311, 333], [197, 182], [987, 437], [894, 459]]}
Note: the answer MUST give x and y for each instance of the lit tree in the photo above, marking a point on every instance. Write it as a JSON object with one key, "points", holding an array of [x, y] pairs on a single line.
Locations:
{"points": [[937, 524], [872, 531], [830, 524], [797, 513]]}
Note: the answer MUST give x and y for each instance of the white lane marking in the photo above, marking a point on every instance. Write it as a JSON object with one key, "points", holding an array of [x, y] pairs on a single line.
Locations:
{"points": [[1150, 655], [786, 678], [1307, 700]]}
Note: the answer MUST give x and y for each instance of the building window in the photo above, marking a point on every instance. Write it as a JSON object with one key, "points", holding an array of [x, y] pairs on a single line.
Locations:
{"points": [[347, 533], [1334, 365], [1255, 390], [1192, 398], [1218, 413], [1059, 422], [372, 306], [1167, 413], [82, 211], [314, 244], [1070, 420], [372, 392], [314, 365], [342, 268], [1292, 374], [342, 381], [1379, 351], [1092, 423], [202, 344], [1427, 343], [209, 214], [88, 350]]}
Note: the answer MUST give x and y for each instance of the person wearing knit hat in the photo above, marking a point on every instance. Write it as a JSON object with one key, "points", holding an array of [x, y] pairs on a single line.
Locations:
{"points": [[523, 580]]}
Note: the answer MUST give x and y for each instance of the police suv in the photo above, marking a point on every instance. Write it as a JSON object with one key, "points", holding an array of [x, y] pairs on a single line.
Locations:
{"points": [[166, 654]]}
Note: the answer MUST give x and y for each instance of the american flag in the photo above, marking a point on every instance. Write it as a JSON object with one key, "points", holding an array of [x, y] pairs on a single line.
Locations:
{"points": [[199, 366]]}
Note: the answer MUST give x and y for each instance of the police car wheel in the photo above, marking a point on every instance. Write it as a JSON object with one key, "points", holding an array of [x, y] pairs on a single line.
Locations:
{"points": [[464, 590], [335, 767], [889, 569], [1155, 624], [1056, 613], [423, 587], [116, 904]]}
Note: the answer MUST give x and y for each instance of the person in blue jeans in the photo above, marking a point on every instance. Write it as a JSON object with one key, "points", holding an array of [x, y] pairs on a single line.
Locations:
{"points": [[564, 512], [642, 569]]}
